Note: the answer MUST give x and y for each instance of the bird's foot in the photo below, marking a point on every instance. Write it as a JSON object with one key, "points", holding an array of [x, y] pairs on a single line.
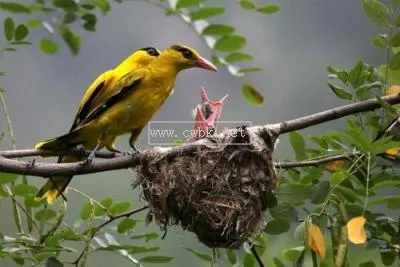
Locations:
{"points": [[87, 162], [82, 150], [90, 158], [134, 152]]}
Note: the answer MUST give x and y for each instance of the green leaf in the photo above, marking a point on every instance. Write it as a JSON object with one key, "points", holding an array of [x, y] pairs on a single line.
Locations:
{"points": [[48, 46], [277, 227], [248, 70], [268, 9], [69, 17], [218, 29], [293, 254], [376, 12], [230, 43], [247, 4], [88, 6], [14, 7], [249, 261], [71, 39], [125, 225], [349, 193], [299, 231], [231, 256], [278, 262], [187, 3], [45, 215], [87, 211], [120, 207], [238, 56], [21, 32], [136, 249], [367, 264], [147, 236], [394, 62], [284, 211], [9, 29], [67, 5], [392, 202], [343, 76], [11, 49], [156, 259], [380, 41], [31, 202], [252, 95], [338, 177], [201, 256], [6, 178], [320, 192], [395, 41], [388, 257], [395, 4], [340, 92], [106, 203], [356, 78], [90, 22], [53, 262], [298, 145], [206, 12], [34, 23], [103, 5], [20, 43], [293, 193], [24, 190]]}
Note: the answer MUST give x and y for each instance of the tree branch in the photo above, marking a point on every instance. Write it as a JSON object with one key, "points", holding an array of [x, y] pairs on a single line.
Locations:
{"points": [[332, 114], [116, 161]]}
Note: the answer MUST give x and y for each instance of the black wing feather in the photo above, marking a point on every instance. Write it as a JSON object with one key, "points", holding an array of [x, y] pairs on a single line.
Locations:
{"points": [[111, 101]]}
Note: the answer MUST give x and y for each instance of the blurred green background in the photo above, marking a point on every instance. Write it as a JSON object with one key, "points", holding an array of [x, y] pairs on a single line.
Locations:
{"points": [[294, 46]]}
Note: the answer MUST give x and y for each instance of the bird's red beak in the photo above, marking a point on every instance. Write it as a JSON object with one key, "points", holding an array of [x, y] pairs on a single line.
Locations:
{"points": [[205, 64]]}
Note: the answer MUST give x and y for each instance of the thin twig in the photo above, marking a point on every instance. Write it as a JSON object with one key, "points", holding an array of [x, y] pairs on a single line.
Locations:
{"points": [[126, 214], [92, 234], [16, 212], [91, 199], [9, 124], [255, 254], [314, 162]]}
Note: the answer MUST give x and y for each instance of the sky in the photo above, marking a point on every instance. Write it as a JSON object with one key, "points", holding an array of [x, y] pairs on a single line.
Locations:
{"points": [[294, 46]]}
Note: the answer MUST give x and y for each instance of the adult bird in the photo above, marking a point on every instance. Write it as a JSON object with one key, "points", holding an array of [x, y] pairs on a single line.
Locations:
{"points": [[137, 96]]}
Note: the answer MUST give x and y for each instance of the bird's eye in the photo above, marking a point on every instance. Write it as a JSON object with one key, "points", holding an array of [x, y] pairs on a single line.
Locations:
{"points": [[187, 54], [152, 52]]}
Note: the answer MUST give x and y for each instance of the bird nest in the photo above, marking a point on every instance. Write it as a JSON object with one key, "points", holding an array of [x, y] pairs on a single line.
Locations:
{"points": [[218, 189]]}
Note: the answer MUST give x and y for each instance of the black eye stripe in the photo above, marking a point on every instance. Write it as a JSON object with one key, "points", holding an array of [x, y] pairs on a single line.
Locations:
{"points": [[184, 51], [151, 51]]}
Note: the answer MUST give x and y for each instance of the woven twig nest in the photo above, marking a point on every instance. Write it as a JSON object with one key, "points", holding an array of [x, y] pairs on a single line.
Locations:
{"points": [[218, 190]]}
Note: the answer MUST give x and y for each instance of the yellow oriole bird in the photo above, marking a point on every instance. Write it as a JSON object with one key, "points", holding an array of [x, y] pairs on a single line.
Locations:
{"points": [[136, 97]]}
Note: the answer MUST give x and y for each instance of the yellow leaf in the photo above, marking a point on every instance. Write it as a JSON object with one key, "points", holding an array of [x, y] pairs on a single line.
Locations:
{"points": [[394, 89], [335, 165], [316, 240], [392, 152], [356, 231]]}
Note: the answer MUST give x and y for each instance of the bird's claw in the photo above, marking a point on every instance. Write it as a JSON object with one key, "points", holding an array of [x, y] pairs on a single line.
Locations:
{"points": [[129, 153], [87, 162]]}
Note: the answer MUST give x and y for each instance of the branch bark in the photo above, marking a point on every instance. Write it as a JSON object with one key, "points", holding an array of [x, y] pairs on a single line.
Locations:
{"points": [[119, 161]]}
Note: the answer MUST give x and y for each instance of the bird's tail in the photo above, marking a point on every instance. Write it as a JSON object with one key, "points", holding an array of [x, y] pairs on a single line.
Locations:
{"points": [[62, 142], [56, 185]]}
